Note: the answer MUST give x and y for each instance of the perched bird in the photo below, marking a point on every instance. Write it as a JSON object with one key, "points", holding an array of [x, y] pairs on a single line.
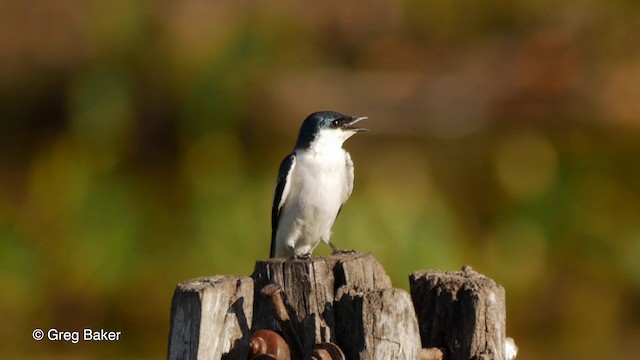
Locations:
{"points": [[313, 184]]}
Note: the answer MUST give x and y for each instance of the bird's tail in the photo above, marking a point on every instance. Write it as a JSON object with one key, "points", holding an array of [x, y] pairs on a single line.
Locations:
{"points": [[272, 251]]}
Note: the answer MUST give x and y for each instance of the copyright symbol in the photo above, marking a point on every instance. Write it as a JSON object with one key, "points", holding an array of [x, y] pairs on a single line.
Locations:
{"points": [[37, 334]]}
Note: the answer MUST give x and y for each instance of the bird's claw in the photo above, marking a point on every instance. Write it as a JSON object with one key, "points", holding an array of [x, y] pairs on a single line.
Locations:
{"points": [[343, 252], [337, 251], [306, 256]]}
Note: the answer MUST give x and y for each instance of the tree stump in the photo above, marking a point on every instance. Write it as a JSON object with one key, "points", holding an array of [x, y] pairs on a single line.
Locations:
{"points": [[461, 312], [211, 318]]}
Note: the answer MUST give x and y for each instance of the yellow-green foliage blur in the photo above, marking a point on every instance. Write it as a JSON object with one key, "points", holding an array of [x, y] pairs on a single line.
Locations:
{"points": [[140, 142]]}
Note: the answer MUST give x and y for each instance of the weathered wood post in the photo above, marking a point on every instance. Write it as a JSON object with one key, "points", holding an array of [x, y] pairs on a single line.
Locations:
{"points": [[461, 312], [345, 299], [211, 318], [377, 324], [340, 301]]}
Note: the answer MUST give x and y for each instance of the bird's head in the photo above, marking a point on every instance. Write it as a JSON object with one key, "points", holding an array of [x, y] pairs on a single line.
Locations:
{"points": [[327, 128]]}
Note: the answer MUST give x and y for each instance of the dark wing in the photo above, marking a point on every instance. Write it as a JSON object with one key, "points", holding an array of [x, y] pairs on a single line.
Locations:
{"points": [[282, 191]]}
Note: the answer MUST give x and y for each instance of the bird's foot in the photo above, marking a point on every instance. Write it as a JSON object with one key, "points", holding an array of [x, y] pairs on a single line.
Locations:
{"points": [[343, 252], [306, 256], [337, 251]]}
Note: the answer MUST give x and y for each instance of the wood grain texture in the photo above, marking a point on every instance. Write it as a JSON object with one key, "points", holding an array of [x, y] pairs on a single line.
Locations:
{"points": [[461, 312], [346, 300], [310, 291], [211, 318], [377, 324]]}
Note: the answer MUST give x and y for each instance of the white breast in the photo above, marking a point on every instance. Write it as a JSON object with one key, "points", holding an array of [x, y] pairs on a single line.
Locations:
{"points": [[321, 179], [319, 187]]}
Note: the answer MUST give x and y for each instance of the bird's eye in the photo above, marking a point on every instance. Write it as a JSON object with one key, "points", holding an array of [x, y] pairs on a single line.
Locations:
{"points": [[335, 124]]}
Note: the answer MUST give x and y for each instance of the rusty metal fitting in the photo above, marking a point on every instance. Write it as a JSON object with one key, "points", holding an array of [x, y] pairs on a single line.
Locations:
{"points": [[268, 342], [273, 292], [326, 351]]}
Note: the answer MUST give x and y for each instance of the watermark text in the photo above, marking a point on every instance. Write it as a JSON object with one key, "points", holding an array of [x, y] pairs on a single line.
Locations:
{"points": [[74, 337]]}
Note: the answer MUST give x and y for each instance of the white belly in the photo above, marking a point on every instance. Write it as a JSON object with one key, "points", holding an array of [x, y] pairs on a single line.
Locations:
{"points": [[318, 190]]}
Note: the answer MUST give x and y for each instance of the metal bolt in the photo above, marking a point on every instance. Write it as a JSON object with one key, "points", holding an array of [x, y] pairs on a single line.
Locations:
{"points": [[268, 342], [326, 351]]}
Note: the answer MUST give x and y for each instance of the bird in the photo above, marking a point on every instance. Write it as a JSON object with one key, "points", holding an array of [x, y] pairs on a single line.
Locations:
{"points": [[314, 182]]}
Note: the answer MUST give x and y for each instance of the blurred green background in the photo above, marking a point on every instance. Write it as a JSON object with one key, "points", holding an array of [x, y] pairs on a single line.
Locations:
{"points": [[140, 143]]}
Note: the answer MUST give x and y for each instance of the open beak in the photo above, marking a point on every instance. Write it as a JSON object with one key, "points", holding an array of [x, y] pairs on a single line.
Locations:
{"points": [[349, 125]]}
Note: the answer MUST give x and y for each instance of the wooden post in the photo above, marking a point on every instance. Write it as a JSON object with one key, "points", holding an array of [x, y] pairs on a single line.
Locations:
{"points": [[376, 324], [461, 312], [310, 288], [211, 318], [341, 304]]}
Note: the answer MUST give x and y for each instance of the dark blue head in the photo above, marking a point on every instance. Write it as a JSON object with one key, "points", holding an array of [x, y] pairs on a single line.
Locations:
{"points": [[331, 126]]}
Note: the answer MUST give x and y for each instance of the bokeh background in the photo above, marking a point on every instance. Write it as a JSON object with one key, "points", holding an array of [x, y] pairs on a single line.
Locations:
{"points": [[140, 141]]}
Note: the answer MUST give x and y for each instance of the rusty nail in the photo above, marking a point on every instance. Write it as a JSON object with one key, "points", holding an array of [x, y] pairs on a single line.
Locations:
{"points": [[431, 354], [273, 292]]}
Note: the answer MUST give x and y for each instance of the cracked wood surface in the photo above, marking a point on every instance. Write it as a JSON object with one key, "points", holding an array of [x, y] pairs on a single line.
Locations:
{"points": [[462, 312], [377, 324], [346, 299], [211, 318]]}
